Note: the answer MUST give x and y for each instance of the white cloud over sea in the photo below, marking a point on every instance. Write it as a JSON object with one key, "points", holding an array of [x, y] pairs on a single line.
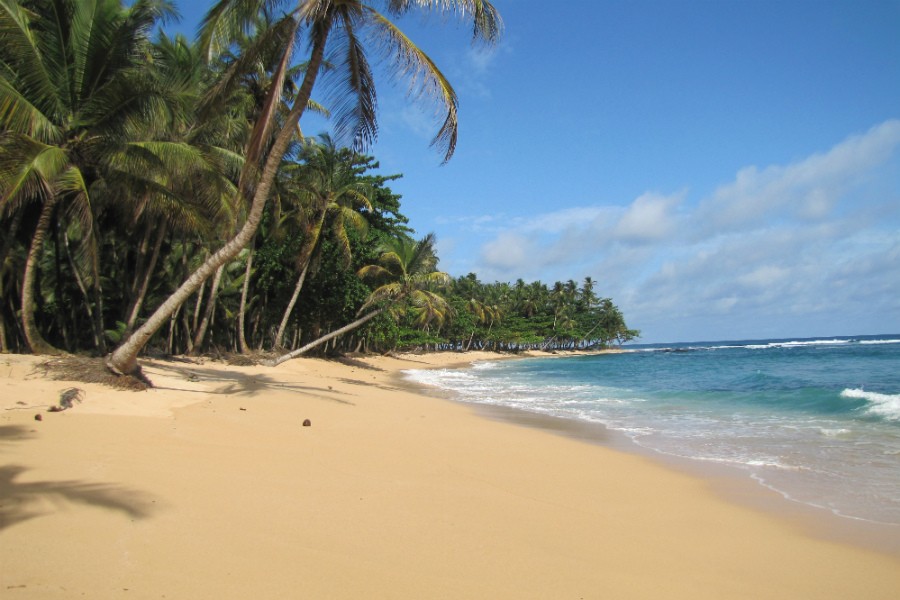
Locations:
{"points": [[813, 246]]}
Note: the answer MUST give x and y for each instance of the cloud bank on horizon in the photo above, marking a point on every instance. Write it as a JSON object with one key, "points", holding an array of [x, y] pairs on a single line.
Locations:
{"points": [[811, 246]]}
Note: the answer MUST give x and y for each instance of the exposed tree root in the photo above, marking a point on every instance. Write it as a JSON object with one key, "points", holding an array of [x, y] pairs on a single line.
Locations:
{"points": [[92, 370]]}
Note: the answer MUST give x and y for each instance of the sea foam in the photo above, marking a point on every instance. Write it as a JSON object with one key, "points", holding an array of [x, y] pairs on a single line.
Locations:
{"points": [[886, 406]]}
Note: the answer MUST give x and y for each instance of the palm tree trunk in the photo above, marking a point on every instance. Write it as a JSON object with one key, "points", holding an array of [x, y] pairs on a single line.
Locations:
{"points": [[327, 337], [138, 302], [98, 295], [139, 261], [124, 359], [36, 343], [305, 258], [242, 341], [79, 281], [207, 314], [196, 320], [279, 335]]}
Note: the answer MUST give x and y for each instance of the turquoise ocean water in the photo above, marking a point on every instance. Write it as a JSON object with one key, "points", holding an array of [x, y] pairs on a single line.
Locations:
{"points": [[817, 420]]}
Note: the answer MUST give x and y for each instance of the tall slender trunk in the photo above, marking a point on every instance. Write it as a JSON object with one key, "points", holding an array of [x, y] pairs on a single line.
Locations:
{"points": [[242, 311], [124, 358], [79, 281], [188, 336], [361, 321], [98, 295], [8, 240], [279, 335], [304, 260], [140, 260], [196, 320], [170, 346], [33, 338], [138, 302], [207, 314]]}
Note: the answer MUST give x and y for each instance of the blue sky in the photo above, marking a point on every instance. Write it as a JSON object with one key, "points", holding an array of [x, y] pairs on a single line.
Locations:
{"points": [[724, 170]]}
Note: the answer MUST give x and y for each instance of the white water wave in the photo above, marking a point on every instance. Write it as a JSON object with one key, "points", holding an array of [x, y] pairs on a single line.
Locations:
{"points": [[886, 406], [798, 344]]}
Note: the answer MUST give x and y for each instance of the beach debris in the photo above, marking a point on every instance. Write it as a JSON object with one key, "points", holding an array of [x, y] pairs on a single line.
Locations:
{"points": [[307, 423], [91, 370], [39, 417], [66, 399]]}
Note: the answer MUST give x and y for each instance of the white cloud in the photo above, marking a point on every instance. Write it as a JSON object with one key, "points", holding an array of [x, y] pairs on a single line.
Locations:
{"points": [[648, 218], [807, 189], [813, 242], [509, 251], [763, 277]]}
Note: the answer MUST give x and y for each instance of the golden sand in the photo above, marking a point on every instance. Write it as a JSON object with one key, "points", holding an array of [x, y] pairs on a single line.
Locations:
{"points": [[209, 486]]}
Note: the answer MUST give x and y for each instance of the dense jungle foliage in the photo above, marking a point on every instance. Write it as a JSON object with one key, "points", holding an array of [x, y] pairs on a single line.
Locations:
{"points": [[158, 195]]}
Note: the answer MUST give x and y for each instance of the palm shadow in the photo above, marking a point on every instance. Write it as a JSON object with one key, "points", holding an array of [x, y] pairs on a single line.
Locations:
{"points": [[234, 383], [15, 433], [356, 363], [20, 501], [24, 500]]}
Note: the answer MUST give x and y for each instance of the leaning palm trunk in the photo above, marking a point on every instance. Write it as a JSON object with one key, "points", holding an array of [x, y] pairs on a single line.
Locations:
{"points": [[305, 258], [36, 343], [279, 335], [124, 359], [361, 321]]}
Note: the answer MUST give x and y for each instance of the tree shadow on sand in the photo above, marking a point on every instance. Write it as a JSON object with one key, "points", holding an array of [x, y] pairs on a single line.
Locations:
{"points": [[20, 501], [235, 383]]}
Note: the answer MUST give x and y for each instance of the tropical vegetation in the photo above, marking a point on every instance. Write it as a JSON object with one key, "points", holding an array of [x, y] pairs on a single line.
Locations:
{"points": [[158, 195]]}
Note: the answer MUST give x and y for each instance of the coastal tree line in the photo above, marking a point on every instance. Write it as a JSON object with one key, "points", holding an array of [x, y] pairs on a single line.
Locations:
{"points": [[158, 194]]}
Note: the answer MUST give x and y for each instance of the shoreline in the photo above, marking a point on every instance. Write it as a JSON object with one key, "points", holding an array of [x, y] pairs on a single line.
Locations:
{"points": [[728, 482], [208, 486]]}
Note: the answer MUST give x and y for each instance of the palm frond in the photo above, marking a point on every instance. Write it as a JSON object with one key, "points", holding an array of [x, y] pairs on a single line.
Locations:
{"points": [[28, 98], [256, 55], [426, 82], [486, 21], [228, 20], [28, 168], [373, 272], [352, 96]]}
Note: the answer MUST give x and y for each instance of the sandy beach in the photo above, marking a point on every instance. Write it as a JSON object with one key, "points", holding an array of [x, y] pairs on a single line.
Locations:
{"points": [[209, 486]]}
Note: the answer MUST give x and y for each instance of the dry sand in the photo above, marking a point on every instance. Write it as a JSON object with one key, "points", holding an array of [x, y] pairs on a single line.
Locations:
{"points": [[208, 486]]}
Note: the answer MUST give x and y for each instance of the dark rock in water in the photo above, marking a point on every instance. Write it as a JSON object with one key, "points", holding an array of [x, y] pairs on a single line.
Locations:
{"points": [[307, 423]]}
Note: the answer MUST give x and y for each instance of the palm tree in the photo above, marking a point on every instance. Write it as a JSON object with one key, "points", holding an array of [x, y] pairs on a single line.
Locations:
{"points": [[355, 101], [69, 91], [204, 201], [328, 186], [406, 273]]}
